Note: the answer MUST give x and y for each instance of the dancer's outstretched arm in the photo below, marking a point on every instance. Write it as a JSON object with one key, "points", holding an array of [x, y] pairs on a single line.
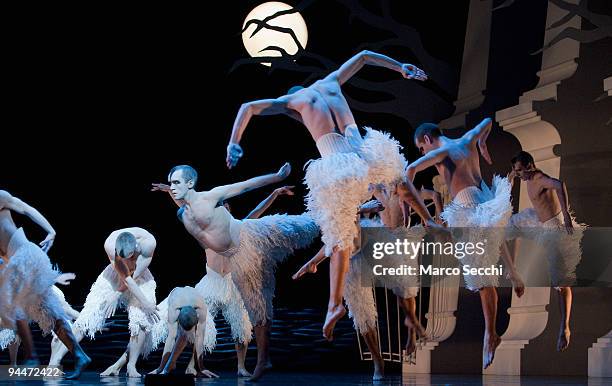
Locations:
{"points": [[311, 265], [265, 204], [173, 314], [16, 205], [166, 188], [429, 159], [428, 194], [354, 64], [149, 308], [147, 247], [200, 332], [225, 192], [479, 134], [246, 112]]}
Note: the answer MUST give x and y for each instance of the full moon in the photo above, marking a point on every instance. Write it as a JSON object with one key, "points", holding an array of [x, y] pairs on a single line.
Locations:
{"points": [[256, 45]]}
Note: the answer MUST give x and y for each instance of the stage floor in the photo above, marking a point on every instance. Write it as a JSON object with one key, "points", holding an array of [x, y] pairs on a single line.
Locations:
{"points": [[332, 379]]}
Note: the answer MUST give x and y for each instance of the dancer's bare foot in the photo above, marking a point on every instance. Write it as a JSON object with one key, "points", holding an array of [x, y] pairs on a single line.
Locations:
{"points": [[244, 373], [31, 362], [379, 373], [333, 315], [114, 372], [411, 343], [257, 373], [206, 374], [81, 362], [190, 370], [268, 365], [489, 346], [564, 339], [417, 327], [132, 373], [517, 284]]}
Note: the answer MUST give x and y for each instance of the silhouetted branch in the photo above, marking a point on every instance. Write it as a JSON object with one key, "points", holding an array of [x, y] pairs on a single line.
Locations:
{"points": [[603, 24], [300, 7]]}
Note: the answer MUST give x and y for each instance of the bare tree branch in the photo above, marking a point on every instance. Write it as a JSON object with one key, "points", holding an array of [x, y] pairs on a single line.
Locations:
{"points": [[603, 24], [300, 7], [285, 30]]}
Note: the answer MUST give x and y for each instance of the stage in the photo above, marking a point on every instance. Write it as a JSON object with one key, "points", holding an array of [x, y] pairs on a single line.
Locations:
{"points": [[332, 379]]}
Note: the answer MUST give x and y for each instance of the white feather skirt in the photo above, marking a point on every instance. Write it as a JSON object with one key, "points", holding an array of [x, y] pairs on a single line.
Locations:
{"points": [[386, 163], [359, 297], [26, 286], [222, 295], [104, 299], [338, 185], [561, 250], [484, 215], [264, 243]]}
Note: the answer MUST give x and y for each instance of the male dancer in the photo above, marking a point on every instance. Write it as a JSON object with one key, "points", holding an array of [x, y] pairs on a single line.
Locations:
{"points": [[126, 281], [9, 339], [26, 280], [474, 206], [359, 297], [186, 322], [221, 294], [253, 246], [338, 182], [558, 233]]}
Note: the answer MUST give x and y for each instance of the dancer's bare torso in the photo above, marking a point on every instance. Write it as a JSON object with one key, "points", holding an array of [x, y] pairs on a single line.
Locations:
{"points": [[392, 216], [146, 243], [543, 199], [461, 167], [321, 107], [211, 225], [7, 229], [216, 262]]}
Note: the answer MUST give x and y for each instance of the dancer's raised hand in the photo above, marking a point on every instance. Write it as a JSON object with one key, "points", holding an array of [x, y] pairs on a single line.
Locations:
{"points": [[160, 188], [410, 71], [482, 145], [47, 243], [284, 191], [234, 153], [284, 171], [151, 311], [309, 267]]}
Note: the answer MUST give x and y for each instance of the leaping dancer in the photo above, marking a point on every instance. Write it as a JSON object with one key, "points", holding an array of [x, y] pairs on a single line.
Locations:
{"points": [[474, 206], [339, 181], [556, 232]]}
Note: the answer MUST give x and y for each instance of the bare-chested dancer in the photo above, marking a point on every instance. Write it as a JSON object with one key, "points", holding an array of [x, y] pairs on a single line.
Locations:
{"points": [[186, 322], [8, 337], [338, 182], [474, 206], [127, 282], [26, 280], [557, 232], [359, 297], [252, 246], [221, 293]]}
